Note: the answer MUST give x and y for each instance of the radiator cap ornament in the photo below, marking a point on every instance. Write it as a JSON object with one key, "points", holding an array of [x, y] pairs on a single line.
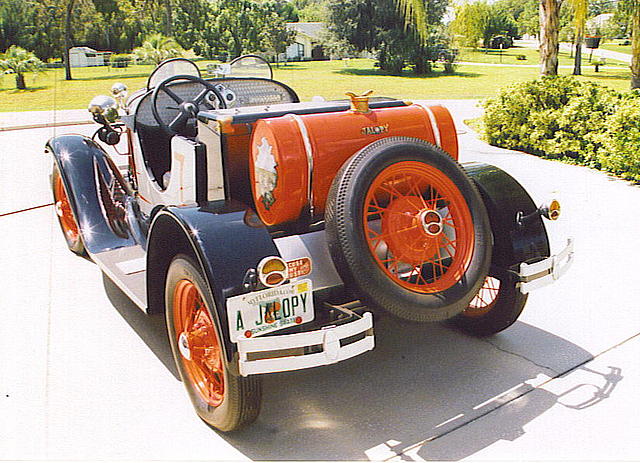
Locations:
{"points": [[360, 103]]}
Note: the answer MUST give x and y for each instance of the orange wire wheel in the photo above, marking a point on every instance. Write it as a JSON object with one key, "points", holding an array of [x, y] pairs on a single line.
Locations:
{"points": [[65, 215], [220, 396], [486, 298], [496, 306], [408, 231], [198, 343], [418, 227]]}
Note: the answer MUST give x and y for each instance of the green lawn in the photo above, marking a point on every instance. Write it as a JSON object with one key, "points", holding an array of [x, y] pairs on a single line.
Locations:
{"points": [[613, 46], [331, 79], [508, 56]]}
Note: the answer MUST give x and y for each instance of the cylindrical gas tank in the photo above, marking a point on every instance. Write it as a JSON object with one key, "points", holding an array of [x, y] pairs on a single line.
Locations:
{"points": [[294, 158]]}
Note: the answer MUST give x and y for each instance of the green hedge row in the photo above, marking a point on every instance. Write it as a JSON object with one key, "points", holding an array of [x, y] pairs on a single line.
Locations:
{"points": [[563, 118]]}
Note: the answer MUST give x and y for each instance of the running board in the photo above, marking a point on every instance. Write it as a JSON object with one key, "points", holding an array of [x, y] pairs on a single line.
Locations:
{"points": [[127, 268]]}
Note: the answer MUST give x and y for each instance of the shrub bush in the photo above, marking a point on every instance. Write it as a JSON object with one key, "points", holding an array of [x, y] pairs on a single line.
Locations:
{"points": [[562, 118], [620, 152]]}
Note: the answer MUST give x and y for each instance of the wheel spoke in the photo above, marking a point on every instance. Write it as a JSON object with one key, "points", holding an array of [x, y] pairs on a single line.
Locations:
{"points": [[171, 94]]}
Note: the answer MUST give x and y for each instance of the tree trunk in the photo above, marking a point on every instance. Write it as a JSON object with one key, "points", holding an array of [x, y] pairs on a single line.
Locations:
{"points": [[635, 48], [168, 25], [20, 81], [549, 27], [577, 62], [68, 39]]}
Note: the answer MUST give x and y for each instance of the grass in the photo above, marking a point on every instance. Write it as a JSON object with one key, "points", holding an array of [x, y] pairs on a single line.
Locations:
{"points": [[614, 46], [532, 56], [330, 79]]}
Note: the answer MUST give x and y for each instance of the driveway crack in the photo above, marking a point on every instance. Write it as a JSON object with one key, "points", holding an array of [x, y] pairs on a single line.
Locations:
{"points": [[515, 354]]}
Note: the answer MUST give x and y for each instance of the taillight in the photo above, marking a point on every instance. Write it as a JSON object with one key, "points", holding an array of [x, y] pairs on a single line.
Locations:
{"points": [[272, 271]]}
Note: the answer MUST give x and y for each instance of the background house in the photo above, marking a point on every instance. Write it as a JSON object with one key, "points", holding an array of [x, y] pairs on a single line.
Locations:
{"points": [[85, 56], [306, 45]]}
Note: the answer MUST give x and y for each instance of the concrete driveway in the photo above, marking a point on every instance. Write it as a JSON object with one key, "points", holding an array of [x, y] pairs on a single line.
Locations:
{"points": [[85, 375]]}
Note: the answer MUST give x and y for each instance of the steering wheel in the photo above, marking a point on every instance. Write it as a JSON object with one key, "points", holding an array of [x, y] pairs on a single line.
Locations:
{"points": [[187, 109]]}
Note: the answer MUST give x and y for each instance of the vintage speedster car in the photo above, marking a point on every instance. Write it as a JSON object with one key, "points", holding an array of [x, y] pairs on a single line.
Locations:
{"points": [[268, 230]]}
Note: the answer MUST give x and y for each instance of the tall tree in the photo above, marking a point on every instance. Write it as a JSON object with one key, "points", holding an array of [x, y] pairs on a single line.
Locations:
{"points": [[580, 10], [168, 23], [549, 28], [68, 38], [380, 26], [632, 7]]}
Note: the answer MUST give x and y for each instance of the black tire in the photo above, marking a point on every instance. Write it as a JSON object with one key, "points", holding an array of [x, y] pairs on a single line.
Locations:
{"points": [[64, 211], [371, 279], [492, 310], [241, 397]]}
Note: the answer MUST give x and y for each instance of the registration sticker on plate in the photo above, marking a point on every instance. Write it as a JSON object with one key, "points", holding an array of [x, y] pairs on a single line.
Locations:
{"points": [[261, 312]]}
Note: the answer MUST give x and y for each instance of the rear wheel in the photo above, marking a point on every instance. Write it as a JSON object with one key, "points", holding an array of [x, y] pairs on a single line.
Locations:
{"points": [[407, 230], [222, 399], [67, 220], [497, 305]]}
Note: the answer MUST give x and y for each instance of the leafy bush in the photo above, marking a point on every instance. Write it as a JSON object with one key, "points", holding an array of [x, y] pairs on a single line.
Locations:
{"points": [[562, 118], [620, 152]]}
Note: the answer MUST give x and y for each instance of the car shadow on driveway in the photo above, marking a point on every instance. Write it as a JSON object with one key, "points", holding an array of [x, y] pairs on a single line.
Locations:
{"points": [[404, 400]]}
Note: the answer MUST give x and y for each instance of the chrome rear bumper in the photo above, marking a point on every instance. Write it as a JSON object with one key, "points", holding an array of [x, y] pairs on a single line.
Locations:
{"points": [[290, 351], [545, 272]]}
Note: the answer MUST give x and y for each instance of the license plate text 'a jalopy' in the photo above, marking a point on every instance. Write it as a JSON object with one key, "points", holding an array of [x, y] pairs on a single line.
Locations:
{"points": [[265, 311]]}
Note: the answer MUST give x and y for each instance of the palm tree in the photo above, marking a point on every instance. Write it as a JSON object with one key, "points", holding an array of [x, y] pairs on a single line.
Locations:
{"points": [[580, 9], [19, 61], [157, 48], [633, 8], [415, 16], [549, 28]]}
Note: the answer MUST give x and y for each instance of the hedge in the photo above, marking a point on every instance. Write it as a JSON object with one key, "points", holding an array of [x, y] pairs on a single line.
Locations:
{"points": [[563, 118]]}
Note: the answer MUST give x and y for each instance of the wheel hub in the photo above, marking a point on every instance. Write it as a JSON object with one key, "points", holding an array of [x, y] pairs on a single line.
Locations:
{"points": [[183, 346], [414, 231], [59, 210], [431, 222]]}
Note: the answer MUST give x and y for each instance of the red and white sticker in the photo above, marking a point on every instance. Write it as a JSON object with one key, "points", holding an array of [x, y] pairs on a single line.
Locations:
{"points": [[299, 267]]}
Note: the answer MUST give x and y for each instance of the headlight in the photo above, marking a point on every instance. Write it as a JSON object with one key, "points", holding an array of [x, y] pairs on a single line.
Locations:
{"points": [[104, 106]]}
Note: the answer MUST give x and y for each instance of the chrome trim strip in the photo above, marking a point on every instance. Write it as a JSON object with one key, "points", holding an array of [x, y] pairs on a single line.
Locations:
{"points": [[309, 151], [434, 124]]}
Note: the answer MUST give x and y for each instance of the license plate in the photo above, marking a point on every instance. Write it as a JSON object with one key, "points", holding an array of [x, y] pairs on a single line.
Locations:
{"points": [[262, 312]]}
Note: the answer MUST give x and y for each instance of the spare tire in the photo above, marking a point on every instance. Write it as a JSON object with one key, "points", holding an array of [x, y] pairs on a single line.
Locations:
{"points": [[408, 231]]}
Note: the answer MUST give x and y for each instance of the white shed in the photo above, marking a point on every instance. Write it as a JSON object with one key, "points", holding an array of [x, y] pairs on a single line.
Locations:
{"points": [[85, 56], [306, 45]]}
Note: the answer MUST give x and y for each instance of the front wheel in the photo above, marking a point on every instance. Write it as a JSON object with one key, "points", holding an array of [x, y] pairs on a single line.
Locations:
{"points": [[497, 306], [222, 399], [66, 219]]}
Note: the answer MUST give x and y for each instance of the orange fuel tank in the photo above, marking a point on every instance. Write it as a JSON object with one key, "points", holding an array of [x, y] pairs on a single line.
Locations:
{"points": [[294, 158]]}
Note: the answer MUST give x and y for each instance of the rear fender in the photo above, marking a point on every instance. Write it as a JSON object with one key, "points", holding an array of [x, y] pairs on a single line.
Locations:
{"points": [[82, 164], [224, 239], [504, 197]]}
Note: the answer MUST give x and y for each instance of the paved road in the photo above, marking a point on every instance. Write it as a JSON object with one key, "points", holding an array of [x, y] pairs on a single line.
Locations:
{"points": [[86, 375], [599, 52]]}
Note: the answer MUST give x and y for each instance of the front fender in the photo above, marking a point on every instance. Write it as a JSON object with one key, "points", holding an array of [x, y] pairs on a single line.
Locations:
{"points": [[80, 160], [222, 238], [504, 197]]}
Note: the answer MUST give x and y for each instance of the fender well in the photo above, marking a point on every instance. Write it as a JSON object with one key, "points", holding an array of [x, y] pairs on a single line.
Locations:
{"points": [[166, 240], [504, 197], [220, 238], [79, 159]]}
